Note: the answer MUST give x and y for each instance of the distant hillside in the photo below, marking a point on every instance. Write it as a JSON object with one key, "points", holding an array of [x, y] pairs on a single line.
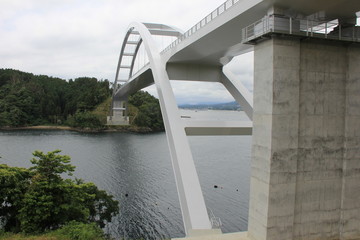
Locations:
{"points": [[215, 106]]}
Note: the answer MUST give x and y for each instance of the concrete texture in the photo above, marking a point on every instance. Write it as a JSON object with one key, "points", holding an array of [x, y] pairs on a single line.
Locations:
{"points": [[305, 181], [119, 115]]}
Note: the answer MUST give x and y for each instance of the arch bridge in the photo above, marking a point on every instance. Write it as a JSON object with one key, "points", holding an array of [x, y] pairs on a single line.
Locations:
{"points": [[304, 120]]}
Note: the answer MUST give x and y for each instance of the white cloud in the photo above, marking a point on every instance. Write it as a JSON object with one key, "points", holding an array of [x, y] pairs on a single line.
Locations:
{"points": [[243, 67], [73, 38]]}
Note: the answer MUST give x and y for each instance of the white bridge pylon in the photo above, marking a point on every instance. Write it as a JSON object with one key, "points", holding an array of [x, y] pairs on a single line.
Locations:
{"points": [[159, 71]]}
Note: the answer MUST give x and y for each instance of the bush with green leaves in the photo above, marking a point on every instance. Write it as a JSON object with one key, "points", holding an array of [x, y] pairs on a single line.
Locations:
{"points": [[79, 231], [148, 112], [38, 199], [85, 120], [70, 231]]}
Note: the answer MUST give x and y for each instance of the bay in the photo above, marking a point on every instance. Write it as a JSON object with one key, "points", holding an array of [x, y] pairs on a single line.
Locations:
{"points": [[136, 169]]}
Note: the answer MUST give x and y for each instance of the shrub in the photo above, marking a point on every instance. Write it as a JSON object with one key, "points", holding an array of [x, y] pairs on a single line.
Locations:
{"points": [[79, 231], [85, 120], [38, 199]]}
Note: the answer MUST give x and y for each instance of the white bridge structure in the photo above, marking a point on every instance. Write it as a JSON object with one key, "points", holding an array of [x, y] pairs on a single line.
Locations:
{"points": [[304, 114]]}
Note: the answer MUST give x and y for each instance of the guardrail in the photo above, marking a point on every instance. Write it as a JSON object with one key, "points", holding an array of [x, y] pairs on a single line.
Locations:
{"points": [[215, 221], [214, 14], [300, 27]]}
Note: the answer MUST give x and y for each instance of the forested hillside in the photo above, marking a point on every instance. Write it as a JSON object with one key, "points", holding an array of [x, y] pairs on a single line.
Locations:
{"points": [[29, 100], [145, 111]]}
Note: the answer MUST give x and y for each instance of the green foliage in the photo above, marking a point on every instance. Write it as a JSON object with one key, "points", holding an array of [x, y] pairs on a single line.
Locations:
{"points": [[79, 231], [27, 99], [51, 165], [85, 120], [70, 231], [17, 106], [85, 93], [148, 112], [38, 199], [102, 110], [14, 183]]}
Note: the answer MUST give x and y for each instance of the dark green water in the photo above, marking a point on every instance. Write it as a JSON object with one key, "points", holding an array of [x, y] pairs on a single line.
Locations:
{"points": [[140, 166]]}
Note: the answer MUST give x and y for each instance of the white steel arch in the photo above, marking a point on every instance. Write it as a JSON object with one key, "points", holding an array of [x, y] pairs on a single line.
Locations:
{"points": [[194, 212], [195, 216], [119, 101]]}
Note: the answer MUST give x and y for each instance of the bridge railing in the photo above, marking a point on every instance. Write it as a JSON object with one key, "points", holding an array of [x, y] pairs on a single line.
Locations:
{"points": [[215, 221], [214, 14], [300, 27]]}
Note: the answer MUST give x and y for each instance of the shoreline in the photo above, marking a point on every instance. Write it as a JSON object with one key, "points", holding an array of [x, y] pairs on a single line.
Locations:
{"points": [[44, 127], [129, 129]]}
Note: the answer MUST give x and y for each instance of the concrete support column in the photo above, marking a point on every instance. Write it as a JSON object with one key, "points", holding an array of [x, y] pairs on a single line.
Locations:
{"points": [[305, 181], [350, 202], [275, 139], [119, 113]]}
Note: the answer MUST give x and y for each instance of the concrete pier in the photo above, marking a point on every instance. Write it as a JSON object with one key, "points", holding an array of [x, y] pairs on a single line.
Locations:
{"points": [[119, 114], [305, 181]]}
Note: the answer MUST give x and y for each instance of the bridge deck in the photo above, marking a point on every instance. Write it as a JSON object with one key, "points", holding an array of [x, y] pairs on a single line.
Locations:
{"points": [[220, 40], [217, 38]]}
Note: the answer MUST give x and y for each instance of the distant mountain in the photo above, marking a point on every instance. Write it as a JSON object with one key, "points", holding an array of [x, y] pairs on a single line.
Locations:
{"points": [[215, 106]]}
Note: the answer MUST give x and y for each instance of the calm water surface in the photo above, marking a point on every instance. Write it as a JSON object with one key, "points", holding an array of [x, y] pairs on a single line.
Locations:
{"points": [[139, 165]]}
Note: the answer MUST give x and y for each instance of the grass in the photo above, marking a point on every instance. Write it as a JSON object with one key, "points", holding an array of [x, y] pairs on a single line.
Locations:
{"points": [[46, 236], [71, 231], [12, 236]]}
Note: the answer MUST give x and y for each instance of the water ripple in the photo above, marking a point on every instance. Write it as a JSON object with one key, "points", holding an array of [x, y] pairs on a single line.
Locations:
{"points": [[137, 170]]}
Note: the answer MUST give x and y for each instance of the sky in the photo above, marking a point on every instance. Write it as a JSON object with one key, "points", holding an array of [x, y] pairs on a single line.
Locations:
{"points": [[77, 38]]}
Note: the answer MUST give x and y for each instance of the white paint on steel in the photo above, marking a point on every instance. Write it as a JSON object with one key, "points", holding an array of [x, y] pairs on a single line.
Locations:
{"points": [[206, 128], [192, 203], [238, 91]]}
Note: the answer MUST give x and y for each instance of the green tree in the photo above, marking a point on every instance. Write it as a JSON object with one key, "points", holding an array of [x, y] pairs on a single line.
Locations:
{"points": [[14, 183], [17, 105], [49, 166], [27, 99], [39, 199], [79, 231], [148, 111]]}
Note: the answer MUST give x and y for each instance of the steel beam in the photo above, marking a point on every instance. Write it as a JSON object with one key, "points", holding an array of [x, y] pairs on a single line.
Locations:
{"points": [[212, 128]]}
